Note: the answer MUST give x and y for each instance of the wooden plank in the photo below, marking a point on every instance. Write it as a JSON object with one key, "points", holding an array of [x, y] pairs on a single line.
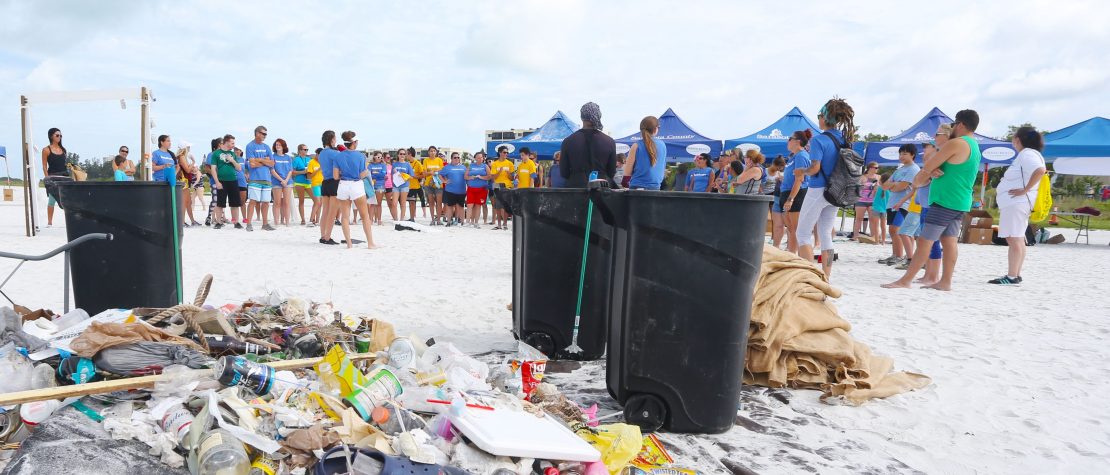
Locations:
{"points": [[141, 382]]}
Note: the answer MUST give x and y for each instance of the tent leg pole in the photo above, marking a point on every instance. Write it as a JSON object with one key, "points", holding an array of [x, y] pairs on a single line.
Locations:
{"points": [[144, 135], [28, 191]]}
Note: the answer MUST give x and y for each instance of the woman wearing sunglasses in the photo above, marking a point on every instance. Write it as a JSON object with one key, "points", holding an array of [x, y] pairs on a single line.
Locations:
{"points": [[56, 171]]}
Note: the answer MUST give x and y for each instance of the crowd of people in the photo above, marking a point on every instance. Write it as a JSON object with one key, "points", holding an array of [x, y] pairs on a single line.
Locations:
{"points": [[919, 209]]}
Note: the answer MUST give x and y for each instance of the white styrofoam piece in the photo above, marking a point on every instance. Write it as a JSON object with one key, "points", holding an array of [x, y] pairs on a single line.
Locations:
{"points": [[520, 434]]}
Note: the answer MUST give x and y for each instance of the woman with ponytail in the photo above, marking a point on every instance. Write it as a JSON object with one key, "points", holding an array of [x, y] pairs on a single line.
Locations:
{"points": [[750, 181], [795, 184], [836, 122], [646, 162]]}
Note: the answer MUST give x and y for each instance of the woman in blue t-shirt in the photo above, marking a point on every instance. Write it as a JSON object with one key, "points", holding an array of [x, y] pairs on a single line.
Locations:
{"points": [[795, 183], [378, 172], [646, 162], [836, 122], [281, 182], [700, 178]]}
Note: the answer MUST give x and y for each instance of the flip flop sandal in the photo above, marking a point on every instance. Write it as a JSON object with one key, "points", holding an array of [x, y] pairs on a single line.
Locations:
{"points": [[335, 462]]}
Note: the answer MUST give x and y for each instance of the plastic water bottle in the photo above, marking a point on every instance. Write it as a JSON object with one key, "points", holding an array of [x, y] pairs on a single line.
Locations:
{"points": [[400, 420], [572, 468], [220, 453], [329, 381], [74, 317], [264, 465], [33, 413]]}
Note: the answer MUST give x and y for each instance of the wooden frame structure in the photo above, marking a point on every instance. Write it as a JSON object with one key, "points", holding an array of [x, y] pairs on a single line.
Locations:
{"points": [[26, 101]]}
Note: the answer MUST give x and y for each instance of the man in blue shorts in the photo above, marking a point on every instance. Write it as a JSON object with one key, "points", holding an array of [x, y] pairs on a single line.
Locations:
{"points": [[260, 162]]}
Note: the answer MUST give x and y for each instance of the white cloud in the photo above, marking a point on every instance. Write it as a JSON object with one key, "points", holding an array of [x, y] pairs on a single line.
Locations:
{"points": [[1047, 84], [442, 71]]}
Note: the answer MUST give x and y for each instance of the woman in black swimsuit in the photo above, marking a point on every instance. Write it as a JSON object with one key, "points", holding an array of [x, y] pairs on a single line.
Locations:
{"points": [[54, 164]]}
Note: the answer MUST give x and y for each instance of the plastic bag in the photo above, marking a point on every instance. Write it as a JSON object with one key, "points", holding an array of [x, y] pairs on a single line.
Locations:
{"points": [[11, 330], [463, 372], [618, 444], [100, 336], [144, 358], [15, 370]]}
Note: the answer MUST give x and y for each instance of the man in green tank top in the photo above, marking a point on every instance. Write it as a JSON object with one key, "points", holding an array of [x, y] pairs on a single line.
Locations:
{"points": [[953, 170]]}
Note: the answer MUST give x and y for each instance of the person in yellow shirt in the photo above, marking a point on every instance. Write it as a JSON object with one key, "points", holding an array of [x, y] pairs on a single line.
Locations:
{"points": [[433, 185], [526, 170], [316, 179], [502, 172], [415, 188]]}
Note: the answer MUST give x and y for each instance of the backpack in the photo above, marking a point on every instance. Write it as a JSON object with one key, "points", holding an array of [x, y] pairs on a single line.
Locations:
{"points": [[842, 185], [1043, 203]]}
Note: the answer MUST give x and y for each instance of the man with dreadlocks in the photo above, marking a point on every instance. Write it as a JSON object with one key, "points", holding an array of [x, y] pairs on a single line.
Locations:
{"points": [[588, 150], [837, 129]]}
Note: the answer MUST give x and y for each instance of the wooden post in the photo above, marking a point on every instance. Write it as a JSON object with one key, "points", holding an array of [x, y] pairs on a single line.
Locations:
{"points": [[144, 135], [141, 382], [28, 187]]}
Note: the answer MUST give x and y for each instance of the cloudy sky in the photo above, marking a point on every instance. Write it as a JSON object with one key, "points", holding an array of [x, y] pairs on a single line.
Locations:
{"points": [[442, 72]]}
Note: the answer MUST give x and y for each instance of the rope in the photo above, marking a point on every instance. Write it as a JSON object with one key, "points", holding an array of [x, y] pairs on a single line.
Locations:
{"points": [[188, 311], [202, 291]]}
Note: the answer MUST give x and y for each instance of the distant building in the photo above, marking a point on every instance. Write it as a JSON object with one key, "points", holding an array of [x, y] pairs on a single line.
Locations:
{"points": [[507, 135]]}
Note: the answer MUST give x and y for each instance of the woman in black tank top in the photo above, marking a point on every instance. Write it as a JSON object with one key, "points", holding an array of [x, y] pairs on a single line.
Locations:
{"points": [[54, 166]]}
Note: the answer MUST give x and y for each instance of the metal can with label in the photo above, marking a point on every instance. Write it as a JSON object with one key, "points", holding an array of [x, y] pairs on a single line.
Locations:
{"points": [[239, 371], [402, 353], [177, 421], [383, 386]]}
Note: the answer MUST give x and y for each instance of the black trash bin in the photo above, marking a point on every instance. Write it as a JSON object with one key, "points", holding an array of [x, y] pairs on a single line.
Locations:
{"points": [[684, 268], [549, 226], [135, 269]]}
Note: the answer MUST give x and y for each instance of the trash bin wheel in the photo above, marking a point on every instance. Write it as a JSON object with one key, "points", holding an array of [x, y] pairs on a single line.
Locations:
{"points": [[646, 411], [541, 341]]}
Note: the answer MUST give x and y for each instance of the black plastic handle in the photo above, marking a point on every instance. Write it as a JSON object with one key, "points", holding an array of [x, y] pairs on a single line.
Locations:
{"points": [[598, 195]]}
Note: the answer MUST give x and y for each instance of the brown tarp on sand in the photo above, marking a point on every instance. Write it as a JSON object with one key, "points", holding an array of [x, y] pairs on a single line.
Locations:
{"points": [[796, 338]]}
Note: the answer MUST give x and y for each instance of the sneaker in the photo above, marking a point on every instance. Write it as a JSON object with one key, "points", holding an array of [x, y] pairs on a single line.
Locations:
{"points": [[208, 221], [886, 260], [331, 242], [1006, 280], [239, 226], [898, 261], [218, 226], [495, 228], [267, 227], [903, 265], [412, 220], [250, 228], [185, 225]]}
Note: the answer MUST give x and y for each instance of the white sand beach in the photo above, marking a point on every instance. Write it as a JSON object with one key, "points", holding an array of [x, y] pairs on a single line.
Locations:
{"points": [[1020, 374]]}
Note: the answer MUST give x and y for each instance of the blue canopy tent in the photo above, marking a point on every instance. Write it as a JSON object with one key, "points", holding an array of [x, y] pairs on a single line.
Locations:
{"points": [[771, 140], [544, 141], [683, 143], [1081, 149], [995, 152]]}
